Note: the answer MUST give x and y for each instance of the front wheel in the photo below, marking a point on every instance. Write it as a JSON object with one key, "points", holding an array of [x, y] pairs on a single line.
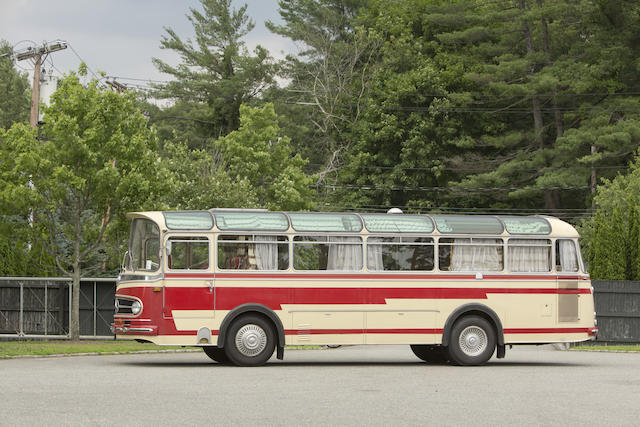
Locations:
{"points": [[472, 341], [250, 341], [216, 354], [431, 353]]}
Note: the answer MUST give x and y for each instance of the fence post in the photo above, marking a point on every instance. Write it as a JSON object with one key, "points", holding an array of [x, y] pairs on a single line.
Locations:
{"points": [[69, 285], [95, 314], [21, 321], [46, 313]]}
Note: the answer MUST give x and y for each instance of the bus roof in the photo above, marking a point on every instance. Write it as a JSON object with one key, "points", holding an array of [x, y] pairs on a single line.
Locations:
{"points": [[263, 220]]}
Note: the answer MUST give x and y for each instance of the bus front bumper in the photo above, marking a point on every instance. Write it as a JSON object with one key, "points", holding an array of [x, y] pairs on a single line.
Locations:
{"points": [[131, 328]]}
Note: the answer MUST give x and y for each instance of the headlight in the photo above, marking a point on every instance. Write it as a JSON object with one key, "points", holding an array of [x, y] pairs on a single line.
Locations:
{"points": [[136, 308]]}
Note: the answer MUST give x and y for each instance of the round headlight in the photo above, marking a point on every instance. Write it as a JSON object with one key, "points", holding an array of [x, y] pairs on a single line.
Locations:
{"points": [[136, 307]]}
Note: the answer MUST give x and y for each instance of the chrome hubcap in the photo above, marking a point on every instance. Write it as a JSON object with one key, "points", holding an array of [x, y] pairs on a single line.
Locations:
{"points": [[473, 340], [251, 340]]}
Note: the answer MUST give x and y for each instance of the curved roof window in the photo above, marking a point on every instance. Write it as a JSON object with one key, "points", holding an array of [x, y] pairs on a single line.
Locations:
{"points": [[302, 221], [387, 223], [188, 220], [251, 221], [458, 224]]}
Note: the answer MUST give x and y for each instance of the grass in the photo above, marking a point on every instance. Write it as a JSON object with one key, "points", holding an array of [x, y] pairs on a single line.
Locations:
{"points": [[44, 348], [629, 347]]}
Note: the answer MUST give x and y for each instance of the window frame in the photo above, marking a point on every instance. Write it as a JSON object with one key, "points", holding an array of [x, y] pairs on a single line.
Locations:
{"points": [[277, 242], [186, 236], [293, 243], [400, 236]]}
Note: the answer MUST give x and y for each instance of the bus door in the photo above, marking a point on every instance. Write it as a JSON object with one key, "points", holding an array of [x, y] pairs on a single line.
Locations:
{"points": [[189, 288], [568, 277]]}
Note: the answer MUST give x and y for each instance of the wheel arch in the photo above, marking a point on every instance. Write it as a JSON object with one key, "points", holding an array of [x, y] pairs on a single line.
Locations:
{"points": [[253, 308], [470, 309]]}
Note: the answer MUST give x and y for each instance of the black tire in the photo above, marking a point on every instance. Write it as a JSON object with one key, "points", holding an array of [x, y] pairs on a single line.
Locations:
{"points": [[216, 354], [250, 340], [435, 354], [472, 341]]}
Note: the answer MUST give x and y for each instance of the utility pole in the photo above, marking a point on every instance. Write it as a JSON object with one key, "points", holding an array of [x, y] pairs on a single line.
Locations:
{"points": [[38, 55]]}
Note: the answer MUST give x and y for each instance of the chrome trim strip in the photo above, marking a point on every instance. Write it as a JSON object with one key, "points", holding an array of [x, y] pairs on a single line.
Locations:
{"points": [[140, 277], [362, 311]]}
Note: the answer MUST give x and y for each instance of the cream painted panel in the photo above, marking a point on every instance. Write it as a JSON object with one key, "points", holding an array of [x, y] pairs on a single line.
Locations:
{"points": [[404, 338], [398, 320], [305, 323]]}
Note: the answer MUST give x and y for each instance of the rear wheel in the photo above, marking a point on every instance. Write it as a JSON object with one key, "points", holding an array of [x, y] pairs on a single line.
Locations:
{"points": [[250, 341], [431, 353], [472, 341], [216, 354]]}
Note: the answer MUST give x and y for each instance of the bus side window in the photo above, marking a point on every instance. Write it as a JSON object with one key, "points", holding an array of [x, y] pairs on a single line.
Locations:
{"points": [[529, 255], [400, 253], [327, 253], [188, 253], [566, 255], [475, 254], [253, 252]]}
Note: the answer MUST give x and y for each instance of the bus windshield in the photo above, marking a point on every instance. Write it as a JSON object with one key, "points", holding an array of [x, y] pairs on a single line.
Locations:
{"points": [[144, 245]]}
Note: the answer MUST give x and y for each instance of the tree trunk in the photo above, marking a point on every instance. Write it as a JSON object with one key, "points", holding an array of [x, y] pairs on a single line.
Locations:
{"points": [[550, 198], [74, 326]]}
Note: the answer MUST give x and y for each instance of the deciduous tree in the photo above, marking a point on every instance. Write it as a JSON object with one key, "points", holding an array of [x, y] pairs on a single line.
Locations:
{"points": [[97, 160]]}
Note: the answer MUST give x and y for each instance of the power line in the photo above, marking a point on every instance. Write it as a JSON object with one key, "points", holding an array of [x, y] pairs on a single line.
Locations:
{"points": [[83, 61], [138, 79], [589, 168], [434, 189]]}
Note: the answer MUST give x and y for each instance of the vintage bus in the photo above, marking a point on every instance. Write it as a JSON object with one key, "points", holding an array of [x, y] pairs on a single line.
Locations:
{"points": [[242, 284]]}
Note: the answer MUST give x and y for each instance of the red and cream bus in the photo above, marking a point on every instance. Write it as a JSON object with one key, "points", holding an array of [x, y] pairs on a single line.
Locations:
{"points": [[243, 283]]}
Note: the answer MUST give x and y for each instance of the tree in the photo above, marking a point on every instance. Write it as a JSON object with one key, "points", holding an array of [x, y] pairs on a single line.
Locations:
{"points": [[97, 159], [14, 90], [200, 180], [612, 237], [259, 153], [607, 260], [332, 74], [216, 69], [545, 70]]}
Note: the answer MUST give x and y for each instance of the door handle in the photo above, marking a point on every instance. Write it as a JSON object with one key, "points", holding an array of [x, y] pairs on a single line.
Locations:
{"points": [[210, 286]]}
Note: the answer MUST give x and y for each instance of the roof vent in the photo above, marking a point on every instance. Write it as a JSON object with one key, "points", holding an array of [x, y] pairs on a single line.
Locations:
{"points": [[394, 211]]}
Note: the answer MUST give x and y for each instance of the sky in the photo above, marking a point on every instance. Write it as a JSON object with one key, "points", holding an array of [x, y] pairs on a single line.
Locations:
{"points": [[119, 37]]}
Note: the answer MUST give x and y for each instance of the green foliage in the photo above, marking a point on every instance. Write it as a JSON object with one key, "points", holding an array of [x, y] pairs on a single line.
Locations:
{"points": [[216, 69], [259, 153], [613, 245], [15, 90], [200, 181], [96, 161]]}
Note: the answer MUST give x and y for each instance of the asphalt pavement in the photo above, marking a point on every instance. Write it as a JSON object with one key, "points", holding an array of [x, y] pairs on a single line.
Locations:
{"points": [[358, 385]]}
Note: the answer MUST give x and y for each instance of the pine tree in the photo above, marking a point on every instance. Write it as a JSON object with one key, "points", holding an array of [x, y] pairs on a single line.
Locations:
{"points": [[216, 69], [634, 244]]}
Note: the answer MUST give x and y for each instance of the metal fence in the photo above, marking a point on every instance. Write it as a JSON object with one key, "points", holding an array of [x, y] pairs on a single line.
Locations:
{"points": [[39, 306], [617, 310]]}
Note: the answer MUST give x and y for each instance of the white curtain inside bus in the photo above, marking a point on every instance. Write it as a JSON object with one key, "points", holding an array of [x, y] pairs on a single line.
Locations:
{"points": [[528, 255], [568, 255], [374, 257], [267, 253], [346, 256], [481, 255]]}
